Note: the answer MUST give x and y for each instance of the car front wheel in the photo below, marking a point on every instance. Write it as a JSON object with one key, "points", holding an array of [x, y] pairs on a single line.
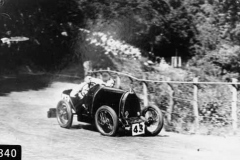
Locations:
{"points": [[106, 121], [64, 114], [154, 120]]}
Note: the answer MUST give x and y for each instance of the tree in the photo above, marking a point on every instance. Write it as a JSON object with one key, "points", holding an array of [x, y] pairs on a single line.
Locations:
{"points": [[50, 25]]}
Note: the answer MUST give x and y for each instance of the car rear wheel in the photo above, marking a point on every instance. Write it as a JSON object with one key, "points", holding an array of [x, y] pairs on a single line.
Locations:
{"points": [[64, 114], [154, 120], [106, 121]]}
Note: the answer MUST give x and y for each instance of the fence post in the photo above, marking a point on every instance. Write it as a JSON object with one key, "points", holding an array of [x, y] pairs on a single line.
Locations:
{"points": [[171, 101], [195, 105], [179, 61], [145, 95], [145, 92], [234, 105]]}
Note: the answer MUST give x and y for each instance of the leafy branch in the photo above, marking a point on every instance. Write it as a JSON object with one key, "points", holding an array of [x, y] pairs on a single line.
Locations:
{"points": [[4, 14]]}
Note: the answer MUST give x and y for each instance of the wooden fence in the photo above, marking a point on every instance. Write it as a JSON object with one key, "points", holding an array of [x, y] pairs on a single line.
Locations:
{"points": [[233, 85]]}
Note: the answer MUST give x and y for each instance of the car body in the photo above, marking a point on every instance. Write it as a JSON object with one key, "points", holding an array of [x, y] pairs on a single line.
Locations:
{"points": [[110, 109]]}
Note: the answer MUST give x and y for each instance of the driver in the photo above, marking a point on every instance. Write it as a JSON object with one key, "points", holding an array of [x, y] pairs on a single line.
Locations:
{"points": [[82, 89]]}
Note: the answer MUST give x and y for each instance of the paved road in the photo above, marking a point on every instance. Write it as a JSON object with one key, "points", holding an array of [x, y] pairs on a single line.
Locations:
{"points": [[23, 120]]}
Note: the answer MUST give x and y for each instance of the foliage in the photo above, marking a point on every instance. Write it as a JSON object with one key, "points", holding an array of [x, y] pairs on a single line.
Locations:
{"points": [[189, 28], [115, 47], [214, 102], [49, 30]]}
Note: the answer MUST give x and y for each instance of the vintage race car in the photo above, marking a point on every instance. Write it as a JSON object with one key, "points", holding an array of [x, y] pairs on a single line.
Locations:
{"points": [[110, 109]]}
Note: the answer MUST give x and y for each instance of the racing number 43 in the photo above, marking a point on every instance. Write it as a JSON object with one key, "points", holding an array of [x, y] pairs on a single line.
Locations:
{"points": [[138, 128]]}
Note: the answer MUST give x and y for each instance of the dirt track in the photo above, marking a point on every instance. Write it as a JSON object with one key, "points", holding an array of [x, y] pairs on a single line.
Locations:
{"points": [[24, 103]]}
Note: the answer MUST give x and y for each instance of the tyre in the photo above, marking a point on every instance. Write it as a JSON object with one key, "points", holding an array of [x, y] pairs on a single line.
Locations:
{"points": [[154, 120], [64, 114], [106, 121]]}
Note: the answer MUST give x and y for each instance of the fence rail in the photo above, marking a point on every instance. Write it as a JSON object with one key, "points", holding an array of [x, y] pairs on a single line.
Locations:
{"points": [[161, 81], [233, 86]]}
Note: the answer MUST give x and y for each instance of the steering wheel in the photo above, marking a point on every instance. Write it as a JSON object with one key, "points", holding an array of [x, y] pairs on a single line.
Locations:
{"points": [[91, 84], [86, 88]]}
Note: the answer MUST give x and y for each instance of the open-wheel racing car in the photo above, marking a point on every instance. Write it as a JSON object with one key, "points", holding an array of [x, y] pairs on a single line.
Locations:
{"points": [[110, 108]]}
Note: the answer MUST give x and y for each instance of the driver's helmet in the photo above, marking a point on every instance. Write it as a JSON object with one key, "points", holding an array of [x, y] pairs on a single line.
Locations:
{"points": [[105, 77]]}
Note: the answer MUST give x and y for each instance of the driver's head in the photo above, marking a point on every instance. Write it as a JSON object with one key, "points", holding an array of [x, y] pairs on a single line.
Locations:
{"points": [[105, 77]]}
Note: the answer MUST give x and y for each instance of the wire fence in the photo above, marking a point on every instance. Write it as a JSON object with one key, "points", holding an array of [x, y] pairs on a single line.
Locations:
{"points": [[194, 101], [159, 81]]}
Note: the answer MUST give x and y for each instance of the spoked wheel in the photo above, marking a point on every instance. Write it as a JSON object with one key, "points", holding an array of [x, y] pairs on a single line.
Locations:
{"points": [[106, 121], [64, 114], [154, 118]]}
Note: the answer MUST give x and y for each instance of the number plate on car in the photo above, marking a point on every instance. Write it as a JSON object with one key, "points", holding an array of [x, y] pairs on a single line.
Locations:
{"points": [[138, 128]]}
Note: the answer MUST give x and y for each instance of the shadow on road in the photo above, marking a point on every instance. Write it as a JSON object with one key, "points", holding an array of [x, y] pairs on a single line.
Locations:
{"points": [[20, 83], [24, 82], [120, 133], [89, 127]]}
